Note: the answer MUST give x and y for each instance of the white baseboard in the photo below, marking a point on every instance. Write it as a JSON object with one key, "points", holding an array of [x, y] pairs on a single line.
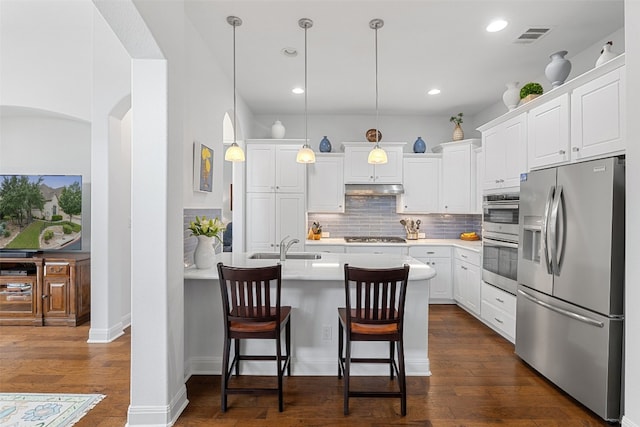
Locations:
{"points": [[103, 336], [160, 415], [626, 422], [126, 320], [317, 367]]}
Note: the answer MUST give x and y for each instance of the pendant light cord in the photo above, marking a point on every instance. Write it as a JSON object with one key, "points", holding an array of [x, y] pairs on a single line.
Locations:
{"points": [[235, 129], [377, 131], [306, 114]]}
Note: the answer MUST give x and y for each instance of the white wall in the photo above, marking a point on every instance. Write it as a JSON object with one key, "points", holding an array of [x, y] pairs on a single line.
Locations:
{"points": [[351, 128], [40, 143], [632, 281], [45, 57], [581, 62], [209, 95]]}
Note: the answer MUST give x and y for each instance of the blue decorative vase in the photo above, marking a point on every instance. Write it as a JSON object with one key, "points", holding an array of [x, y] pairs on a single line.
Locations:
{"points": [[325, 145], [419, 146]]}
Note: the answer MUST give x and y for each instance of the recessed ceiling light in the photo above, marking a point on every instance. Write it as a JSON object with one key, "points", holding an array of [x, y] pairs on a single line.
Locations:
{"points": [[434, 91], [297, 90], [497, 25], [289, 51]]}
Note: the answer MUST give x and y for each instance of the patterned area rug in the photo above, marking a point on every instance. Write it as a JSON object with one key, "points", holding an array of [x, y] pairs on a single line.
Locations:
{"points": [[44, 410]]}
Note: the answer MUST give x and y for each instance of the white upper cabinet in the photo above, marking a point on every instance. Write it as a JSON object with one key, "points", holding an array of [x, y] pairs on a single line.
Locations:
{"points": [[505, 154], [358, 171], [582, 119], [421, 184], [459, 176], [598, 119], [326, 183], [548, 133], [273, 168]]}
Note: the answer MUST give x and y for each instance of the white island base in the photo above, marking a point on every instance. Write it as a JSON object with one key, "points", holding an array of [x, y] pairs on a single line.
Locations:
{"points": [[314, 289]]}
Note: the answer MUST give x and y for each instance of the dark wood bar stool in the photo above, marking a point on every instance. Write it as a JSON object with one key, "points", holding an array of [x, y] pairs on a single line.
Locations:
{"points": [[250, 313], [375, 314]]}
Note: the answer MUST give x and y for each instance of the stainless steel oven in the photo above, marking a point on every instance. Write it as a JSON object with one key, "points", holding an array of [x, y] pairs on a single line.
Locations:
{"points": [[500, 241]]}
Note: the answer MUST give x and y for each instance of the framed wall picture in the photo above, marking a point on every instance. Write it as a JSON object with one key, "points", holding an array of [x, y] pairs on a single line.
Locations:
{"points": [[202, 168]]}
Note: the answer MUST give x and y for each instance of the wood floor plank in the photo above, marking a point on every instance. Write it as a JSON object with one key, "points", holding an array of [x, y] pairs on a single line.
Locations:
{"points": [[477, 381]]}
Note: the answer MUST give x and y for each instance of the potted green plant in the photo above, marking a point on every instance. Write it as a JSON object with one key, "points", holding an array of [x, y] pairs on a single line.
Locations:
{"points": [[206, 230], [458, 134], [529, 91]]}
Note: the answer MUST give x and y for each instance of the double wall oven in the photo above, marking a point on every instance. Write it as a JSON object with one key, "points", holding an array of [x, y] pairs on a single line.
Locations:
{"points": [[500, 240]]}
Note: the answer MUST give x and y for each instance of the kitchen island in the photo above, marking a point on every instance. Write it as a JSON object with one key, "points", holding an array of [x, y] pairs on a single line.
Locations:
{"points": [[314, 288]]}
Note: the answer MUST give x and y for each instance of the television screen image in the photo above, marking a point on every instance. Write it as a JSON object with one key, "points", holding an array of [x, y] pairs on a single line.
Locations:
{"points": [[40, 212]]}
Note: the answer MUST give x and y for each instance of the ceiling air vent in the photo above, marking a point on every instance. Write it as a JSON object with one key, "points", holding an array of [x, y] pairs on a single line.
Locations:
{"points": [[532, 34]]}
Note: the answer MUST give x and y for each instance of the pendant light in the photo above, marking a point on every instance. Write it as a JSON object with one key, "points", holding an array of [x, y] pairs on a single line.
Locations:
{"points": [[234, 153], [305, 154], [377, 155]]}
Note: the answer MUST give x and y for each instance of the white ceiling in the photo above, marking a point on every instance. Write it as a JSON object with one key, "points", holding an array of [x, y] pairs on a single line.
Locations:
{"points": [[423, 44]]}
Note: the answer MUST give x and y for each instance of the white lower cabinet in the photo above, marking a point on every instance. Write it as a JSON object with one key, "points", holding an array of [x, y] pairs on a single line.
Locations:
{"points": [[466, 279], [438, 258], [499, 311]]}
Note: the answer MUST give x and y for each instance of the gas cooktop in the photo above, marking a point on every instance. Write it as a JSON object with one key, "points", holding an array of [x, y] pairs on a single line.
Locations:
{"points": [[373, 239]]}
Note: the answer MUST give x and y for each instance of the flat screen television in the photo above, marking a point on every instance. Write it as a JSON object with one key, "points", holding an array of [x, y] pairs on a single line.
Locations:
{"points": [[40, 213]]}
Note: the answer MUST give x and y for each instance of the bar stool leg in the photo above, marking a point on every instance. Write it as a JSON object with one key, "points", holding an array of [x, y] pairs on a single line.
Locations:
{"points": [[347, 373], [402, 380], [225, 374], [391, 359], [288, 346], [280, 370], [237, 356], [340, 347]]}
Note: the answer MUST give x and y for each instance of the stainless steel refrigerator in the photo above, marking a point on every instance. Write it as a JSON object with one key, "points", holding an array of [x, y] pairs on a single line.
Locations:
{"points": [[570, 297]]}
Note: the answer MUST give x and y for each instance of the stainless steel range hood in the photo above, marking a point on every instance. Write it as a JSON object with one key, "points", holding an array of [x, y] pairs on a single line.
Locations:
{"points": [[373, 189]]}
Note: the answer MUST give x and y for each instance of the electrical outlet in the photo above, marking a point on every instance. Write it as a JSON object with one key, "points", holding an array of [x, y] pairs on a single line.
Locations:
{"points": [[326, 234], [422, 235], [326, 333]]}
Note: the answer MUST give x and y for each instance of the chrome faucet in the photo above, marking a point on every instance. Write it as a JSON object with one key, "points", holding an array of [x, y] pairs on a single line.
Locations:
{"points": [[285, 247]]}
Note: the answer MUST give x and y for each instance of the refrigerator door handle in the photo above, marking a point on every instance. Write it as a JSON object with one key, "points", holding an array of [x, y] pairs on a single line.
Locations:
{"points": [[545, 224], [554, 229], [571, 314]]}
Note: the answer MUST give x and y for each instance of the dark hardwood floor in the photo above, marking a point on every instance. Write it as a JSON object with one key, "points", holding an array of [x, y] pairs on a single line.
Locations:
{"points": [[476, 381]]}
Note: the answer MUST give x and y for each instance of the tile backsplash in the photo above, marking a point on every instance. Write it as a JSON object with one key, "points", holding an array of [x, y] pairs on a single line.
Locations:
{"points": [[376, 216]]}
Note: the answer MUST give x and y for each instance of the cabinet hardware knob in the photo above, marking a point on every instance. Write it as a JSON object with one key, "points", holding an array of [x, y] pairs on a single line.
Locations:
{"points": [[498, 320], [561, 152], [430, 252], [500, 300], [463, 256], [497, 181], [575, 149], [463, 267], [45, 296], [405, 206]]}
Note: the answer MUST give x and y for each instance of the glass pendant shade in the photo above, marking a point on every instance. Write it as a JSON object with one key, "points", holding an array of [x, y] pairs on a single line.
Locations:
{"points": [[234, 153], [377, 156], [306, 155]]}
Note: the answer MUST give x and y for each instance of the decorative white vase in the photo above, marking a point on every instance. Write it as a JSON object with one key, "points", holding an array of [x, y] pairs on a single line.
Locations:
{"points": [[558, 69], [606, 54], [511, 96], [204, 255], [277, 130]]}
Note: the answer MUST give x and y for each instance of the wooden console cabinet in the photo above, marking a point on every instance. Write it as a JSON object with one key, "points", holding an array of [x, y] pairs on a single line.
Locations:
{"points": [[45, 290]]}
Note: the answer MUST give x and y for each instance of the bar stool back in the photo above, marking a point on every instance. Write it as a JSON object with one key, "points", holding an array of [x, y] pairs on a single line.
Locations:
{"points": [[251, 313], [376, 313]]}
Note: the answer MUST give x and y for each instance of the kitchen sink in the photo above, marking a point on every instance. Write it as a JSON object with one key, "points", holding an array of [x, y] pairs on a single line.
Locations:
{"points": [[275, 255]]}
